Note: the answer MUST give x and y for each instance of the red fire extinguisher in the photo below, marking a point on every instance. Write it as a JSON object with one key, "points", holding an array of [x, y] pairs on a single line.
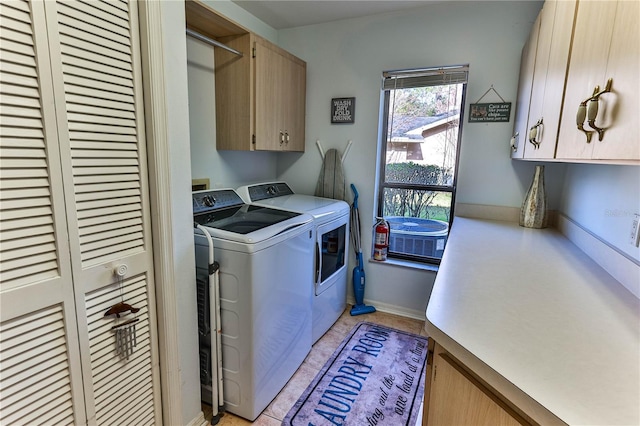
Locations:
{"points": [[381, 239]]}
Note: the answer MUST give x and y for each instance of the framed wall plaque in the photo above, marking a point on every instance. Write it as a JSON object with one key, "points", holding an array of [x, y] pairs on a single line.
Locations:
{"points": [[343, 110], [490, 112]]}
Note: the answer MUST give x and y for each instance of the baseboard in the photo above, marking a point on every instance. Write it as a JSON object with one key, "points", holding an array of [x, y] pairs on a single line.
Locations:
{"points": [[488, 212], [392, 309], [500, 213], [624, 269], [199, 420]]}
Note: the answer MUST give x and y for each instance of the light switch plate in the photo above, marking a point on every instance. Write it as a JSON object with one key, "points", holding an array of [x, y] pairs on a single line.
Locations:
{"points": [[634, 236]]}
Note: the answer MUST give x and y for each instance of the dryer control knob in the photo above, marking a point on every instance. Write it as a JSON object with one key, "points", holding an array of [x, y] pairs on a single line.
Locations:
{"points": [[271, 190], [208, 200]]}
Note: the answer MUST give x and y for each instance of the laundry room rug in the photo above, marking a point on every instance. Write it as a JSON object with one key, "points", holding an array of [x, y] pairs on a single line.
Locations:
{"points": [[374, 378]]}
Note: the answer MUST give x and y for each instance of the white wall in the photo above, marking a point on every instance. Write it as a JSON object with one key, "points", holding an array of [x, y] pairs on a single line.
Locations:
{"points": [[346, 59], [241, 17], [604, 199]]}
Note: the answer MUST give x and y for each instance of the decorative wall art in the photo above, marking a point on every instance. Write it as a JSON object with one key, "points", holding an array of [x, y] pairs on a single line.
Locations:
{"points": [[490, 112], [343, 110]]}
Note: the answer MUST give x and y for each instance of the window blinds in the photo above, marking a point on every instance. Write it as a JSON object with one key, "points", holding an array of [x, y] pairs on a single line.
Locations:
{"points": [[405, 79]]}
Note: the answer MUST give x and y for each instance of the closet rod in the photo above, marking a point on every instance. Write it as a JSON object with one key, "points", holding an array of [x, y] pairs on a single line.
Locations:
{"points": [[212, 42]]}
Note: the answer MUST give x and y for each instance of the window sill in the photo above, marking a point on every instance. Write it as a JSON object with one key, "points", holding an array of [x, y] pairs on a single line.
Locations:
{"points": [[408, 264]]}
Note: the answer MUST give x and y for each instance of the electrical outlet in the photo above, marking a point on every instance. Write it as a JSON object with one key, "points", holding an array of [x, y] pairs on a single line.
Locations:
{"points": [[634, 236]]}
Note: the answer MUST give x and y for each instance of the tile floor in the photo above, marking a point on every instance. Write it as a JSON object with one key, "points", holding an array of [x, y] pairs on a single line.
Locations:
{"points": [[320, 352]]}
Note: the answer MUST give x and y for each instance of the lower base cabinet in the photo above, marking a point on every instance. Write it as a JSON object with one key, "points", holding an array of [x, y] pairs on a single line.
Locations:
{"points": [[455, 396]]}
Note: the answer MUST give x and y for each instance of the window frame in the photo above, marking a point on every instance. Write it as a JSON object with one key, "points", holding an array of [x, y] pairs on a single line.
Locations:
{"points": [[382, 152]]}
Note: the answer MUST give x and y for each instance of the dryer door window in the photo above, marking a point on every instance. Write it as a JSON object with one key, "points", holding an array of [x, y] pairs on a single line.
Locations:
{"points": [[333, 244]]}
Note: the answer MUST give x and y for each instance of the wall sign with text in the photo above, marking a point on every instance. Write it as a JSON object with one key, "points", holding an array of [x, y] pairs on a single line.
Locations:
{"points": [[491, 112], [343, 110]]}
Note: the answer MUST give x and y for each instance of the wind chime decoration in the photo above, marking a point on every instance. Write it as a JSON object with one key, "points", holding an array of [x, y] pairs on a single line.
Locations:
{"points": [[125, 329]]}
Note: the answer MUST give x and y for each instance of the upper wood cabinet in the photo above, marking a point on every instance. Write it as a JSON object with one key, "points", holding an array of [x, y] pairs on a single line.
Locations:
{"points": [[579, 46], [606, 46], [552, 55], [280, 86], [525, 83], [261, 95]]}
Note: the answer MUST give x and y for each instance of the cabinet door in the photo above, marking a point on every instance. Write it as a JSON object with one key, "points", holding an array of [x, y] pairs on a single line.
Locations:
{"points": [[280, 99], [457, 399], [527, 63], [552, 55], [269, 112], [620, 110], [295, 103], [605, 45], [234, 94]]}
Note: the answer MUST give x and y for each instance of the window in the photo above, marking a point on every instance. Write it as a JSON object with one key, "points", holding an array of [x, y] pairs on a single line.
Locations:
{"points": [[422, 123]]}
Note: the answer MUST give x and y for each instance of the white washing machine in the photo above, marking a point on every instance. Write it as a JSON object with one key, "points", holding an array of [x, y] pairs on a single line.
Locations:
{"points": [[331, 221], [266, 258]]}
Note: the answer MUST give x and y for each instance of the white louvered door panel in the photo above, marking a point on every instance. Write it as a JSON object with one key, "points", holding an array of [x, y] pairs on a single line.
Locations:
{"points": [[36, 385], [40, 370], [132, 398], [97, 76]]}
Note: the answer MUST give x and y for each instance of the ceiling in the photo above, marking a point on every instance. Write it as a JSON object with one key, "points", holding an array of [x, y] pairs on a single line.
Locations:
{"points": [[295, 13]]}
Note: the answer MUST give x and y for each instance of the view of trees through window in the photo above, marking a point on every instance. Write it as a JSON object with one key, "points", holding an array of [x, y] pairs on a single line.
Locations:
{"points": [[418, 181]]}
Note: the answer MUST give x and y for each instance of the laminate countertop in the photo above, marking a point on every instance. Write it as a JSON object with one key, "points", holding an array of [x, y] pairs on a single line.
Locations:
{"points": [[540, 322]]}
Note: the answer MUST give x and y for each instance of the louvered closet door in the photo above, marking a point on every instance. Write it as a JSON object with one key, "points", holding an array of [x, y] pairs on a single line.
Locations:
{"points": [[40, 373], [96, 72]]}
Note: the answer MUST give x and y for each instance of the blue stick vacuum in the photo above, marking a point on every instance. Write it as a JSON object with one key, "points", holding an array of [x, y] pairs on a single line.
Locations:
{"points": [[358, 272]]}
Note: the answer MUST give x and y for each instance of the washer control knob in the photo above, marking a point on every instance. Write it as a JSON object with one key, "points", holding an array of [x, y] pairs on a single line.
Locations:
{"points": [[271, 190], [208, 201]]}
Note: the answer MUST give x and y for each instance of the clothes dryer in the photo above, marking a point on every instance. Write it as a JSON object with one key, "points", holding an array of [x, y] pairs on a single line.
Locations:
{"points": [[265, 259], [331, 222]]}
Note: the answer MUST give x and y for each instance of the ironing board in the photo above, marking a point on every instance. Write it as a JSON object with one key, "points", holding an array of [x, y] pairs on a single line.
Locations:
{"points": [[331, 180]]}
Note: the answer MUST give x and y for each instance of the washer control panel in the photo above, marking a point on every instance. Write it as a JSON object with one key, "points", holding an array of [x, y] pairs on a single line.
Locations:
{"points": [[269, 190], [209, 200]]}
